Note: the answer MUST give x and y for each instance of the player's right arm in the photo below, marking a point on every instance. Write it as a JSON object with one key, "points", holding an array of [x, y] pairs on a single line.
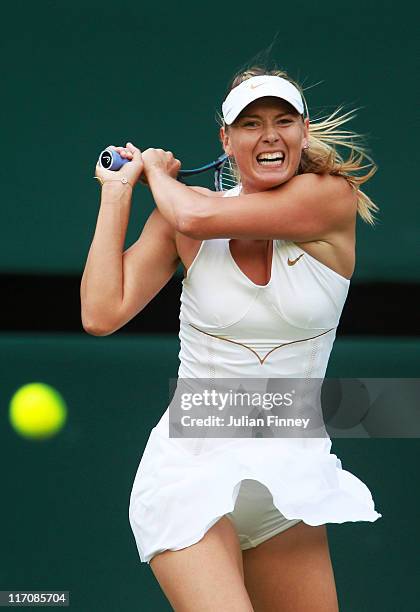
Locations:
{"points": [[146, 267], [117, 285]]}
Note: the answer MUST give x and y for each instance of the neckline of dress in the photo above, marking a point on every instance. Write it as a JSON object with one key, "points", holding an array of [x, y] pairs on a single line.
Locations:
{"points": [[251, 282]]}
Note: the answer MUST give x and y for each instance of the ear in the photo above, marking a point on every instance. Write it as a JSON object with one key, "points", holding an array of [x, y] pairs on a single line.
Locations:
{"points": [[225, 140]]}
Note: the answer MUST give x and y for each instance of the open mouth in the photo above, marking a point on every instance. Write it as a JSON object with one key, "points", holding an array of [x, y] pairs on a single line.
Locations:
{"points": [[275, 158]]}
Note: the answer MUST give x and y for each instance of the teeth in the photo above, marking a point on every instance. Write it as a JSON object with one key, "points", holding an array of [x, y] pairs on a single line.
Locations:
{"points": [[267, 162], [276, 155]]}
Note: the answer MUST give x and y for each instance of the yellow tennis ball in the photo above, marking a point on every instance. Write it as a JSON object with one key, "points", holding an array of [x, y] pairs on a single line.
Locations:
{"points": [[37, 411]]}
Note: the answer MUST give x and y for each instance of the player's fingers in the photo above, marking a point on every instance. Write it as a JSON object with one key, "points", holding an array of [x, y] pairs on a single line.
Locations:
{"points": [[117, 149], [122, 151], [134, 150]]}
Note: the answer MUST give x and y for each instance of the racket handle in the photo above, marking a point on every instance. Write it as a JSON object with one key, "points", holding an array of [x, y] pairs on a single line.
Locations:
{"points": [[111, 160]]}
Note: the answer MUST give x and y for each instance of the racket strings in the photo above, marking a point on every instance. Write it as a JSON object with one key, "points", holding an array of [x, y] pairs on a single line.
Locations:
{"points": [[227, 176]]}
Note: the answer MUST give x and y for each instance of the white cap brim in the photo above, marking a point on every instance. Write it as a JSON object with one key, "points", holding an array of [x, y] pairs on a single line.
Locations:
{"points": [[259, 87]]}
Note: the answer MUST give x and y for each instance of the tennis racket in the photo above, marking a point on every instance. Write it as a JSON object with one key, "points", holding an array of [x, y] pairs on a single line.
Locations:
{"points": [[225, 176]]}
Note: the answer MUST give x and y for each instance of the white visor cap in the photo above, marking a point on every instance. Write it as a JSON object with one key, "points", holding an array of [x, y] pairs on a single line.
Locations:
{"points": [[258, 87]]}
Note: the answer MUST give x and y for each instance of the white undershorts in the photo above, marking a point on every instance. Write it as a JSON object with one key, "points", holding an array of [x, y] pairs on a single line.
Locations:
{"points": [[255, 517]]}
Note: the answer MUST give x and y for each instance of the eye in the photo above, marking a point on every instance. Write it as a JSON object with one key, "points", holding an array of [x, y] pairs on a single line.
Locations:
{"points": [[249, 123], [284, 121]]}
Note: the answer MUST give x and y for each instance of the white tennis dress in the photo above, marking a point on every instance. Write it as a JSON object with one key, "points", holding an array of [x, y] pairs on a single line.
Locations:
{"points": [[231, 327]]}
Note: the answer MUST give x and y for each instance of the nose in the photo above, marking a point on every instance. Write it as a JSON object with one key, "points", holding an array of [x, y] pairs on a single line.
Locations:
{"points": [[271, 134]]}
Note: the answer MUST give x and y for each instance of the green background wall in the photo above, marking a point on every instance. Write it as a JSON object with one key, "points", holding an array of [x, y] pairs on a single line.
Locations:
{"points": [[65, 502], [78, 76]]}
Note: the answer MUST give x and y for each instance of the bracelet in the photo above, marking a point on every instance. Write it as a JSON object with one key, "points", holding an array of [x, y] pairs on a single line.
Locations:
{"points": [[123, 180]]}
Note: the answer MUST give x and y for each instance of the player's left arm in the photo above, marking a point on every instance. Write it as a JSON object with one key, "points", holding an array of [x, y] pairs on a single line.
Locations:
{"points": [[175, 200], [307, 207]]}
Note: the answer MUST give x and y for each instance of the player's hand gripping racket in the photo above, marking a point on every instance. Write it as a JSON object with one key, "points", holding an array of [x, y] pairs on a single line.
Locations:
{"points": [[224, 176]]}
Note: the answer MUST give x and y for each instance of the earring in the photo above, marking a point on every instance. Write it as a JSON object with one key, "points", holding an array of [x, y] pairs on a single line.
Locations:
{"points": [[306, 146]]}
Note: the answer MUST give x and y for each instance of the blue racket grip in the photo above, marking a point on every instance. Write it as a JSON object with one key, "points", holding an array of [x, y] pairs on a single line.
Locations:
{"points": [[111, 160]]}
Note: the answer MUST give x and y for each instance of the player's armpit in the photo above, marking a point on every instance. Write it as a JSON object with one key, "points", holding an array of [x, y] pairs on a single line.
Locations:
{"points": [[307, 207]]}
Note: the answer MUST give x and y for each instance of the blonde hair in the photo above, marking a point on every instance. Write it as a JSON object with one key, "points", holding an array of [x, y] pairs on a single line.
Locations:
{"points": [[322, 156]]}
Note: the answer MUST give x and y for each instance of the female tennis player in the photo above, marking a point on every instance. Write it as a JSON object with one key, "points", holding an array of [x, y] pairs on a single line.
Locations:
{"points": [[239, 524]]}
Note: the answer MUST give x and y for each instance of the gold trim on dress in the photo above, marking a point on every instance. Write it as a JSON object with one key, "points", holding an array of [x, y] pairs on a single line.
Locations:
{"points": [[252, 350]]}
